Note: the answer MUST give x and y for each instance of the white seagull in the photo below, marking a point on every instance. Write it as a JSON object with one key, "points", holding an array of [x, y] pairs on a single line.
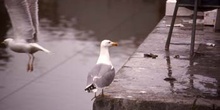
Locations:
{"points": [[103, 73], [24, 18]]}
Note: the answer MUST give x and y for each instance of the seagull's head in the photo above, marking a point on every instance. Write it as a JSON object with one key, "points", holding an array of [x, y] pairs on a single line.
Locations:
{"points": [[108, 43], [6, 41]]}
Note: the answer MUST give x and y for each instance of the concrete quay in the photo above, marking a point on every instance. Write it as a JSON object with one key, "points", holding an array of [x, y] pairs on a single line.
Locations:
{"points": [[170, 81]]}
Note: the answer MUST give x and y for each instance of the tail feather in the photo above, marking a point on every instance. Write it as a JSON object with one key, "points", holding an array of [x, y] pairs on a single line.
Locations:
{"points": [[40, 47], [45, 50], [91, 88]]}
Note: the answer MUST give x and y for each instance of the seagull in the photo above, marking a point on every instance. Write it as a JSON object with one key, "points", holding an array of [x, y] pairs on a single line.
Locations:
{"points": [[25, 24], [103, 73]]}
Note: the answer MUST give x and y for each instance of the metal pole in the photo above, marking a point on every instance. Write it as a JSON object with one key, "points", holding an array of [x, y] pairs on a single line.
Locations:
{"points": [[171, 26], [217, 23], [193, 29]]}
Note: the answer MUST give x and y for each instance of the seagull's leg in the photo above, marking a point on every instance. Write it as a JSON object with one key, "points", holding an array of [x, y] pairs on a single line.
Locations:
{"points": [[94, 97], [28, 65], [32, 63]]}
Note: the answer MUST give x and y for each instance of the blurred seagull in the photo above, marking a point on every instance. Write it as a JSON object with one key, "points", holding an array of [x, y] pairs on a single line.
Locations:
{"points": [[103, 73], [24, 19]]}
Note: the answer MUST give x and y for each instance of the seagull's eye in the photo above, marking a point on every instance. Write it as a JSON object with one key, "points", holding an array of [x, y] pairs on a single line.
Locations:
{"points": [[109, 42]]}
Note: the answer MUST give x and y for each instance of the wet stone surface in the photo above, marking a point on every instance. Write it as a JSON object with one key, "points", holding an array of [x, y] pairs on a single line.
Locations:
{"points": [[171, 81]]}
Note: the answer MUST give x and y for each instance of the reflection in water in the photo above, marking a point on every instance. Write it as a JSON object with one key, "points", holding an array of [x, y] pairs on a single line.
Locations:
{"points": [[4, 26], [115, 20], [191, 76], [72, 30], [169, 69], [193, 82], [201, 85], [49, 9], [4, 58], [4, 21]]}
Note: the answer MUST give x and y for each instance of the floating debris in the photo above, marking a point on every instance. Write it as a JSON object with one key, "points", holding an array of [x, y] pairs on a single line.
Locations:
{"points": [[129, 96], [143, 92], [198, 21], [210, 44], [177, 56], [175, 25], [151, 55], [170, 79]]}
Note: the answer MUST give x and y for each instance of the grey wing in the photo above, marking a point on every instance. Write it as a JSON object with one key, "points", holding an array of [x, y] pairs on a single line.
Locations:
{"points": [[33, 7], [93, 73], [20, 18], [106, 76]]}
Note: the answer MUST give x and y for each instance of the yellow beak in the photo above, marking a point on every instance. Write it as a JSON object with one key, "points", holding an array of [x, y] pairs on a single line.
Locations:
{"points": [[114, 44]]}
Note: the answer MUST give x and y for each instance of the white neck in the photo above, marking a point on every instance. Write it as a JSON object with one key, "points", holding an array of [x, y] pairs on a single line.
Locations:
{"points": [[104, 56], [10, 43]]}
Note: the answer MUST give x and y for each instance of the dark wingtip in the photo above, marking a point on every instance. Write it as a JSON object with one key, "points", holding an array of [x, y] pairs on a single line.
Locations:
{"points": [[90, 88], [35, 37]]}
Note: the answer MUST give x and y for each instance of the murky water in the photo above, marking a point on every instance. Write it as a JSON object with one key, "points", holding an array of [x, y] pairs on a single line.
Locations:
{"points": [[72, 30]]}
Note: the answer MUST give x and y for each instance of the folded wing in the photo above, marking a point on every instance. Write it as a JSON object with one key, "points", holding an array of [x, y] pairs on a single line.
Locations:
{"points": [[101, 75]]}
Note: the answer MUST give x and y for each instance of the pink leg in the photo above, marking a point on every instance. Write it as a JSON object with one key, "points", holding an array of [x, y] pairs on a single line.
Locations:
{"points": [[28, 65], [32, 63]]}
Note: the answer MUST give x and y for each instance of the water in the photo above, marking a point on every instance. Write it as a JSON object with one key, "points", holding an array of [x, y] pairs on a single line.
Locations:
{"points": [[72, 30]]}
